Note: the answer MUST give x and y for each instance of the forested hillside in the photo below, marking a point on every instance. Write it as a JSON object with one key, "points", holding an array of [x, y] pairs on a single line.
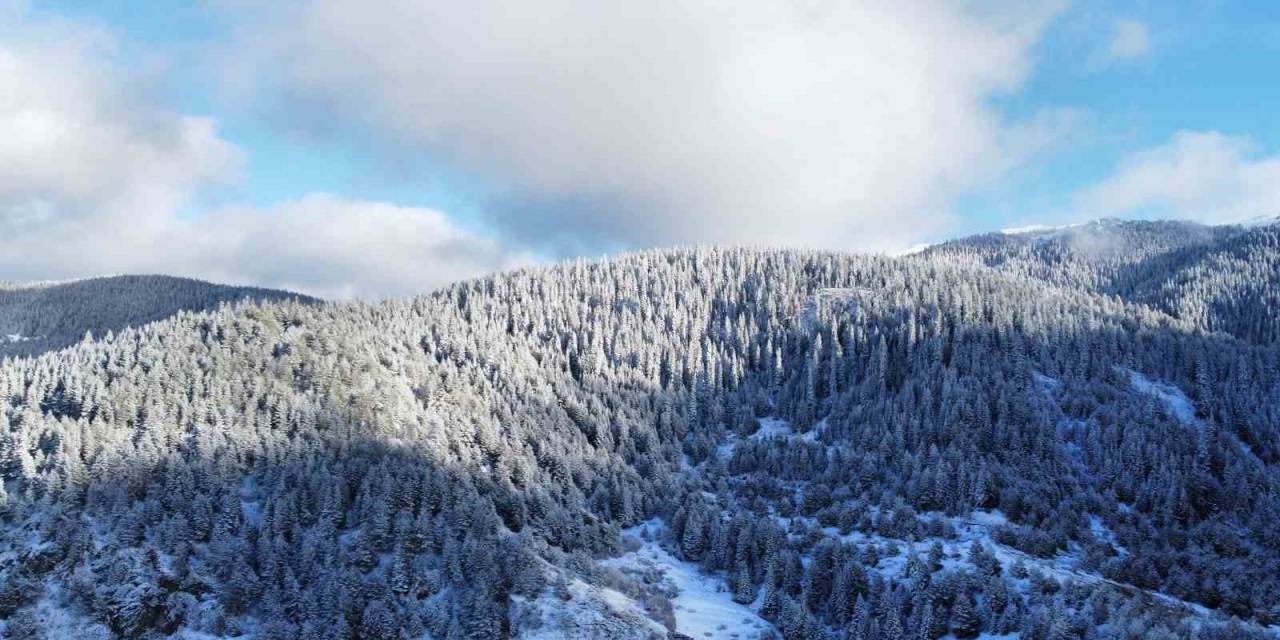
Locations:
{"points": [[1222, 277], [1006, 436], [35, 318]]}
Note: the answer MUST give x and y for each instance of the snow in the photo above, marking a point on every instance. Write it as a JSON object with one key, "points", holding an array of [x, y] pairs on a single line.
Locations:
{"points": [[591, 612], [833, 296], [772, 428], [1103, 533], [1050, 230], [250, 506], [979, 526], [993, 518], [1198, 609], [1046, 383], [725, 449], [16, 337], [1061, 567], [912, 250], [1174, 400], [58, 621], [188, 634], [703, 605], [1031, 228], [779, 428]]}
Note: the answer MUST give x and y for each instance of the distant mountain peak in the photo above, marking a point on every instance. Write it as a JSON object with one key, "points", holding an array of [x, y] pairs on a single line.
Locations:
{"points": [[39, 316]]}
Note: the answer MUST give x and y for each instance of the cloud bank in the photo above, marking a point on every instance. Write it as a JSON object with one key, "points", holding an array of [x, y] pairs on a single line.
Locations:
{"points": [[95, 173], [340, 248], [834, 124], [1205, 176]]}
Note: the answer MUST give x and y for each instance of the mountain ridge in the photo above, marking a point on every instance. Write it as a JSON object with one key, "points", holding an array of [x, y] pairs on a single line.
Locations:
{"points": [[953, 448], [41, 316]]}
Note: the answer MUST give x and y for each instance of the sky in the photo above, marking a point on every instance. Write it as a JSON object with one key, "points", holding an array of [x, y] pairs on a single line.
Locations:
{"points": [[387, 147]]}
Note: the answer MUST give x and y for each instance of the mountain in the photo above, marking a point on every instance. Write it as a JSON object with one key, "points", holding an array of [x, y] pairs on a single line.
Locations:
{"points": [[39, 317], [1220, 277], [973, 440]]}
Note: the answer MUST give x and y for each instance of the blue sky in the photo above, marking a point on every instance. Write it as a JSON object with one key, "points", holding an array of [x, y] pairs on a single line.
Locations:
{"points": [[387, 148], [1211, 66], [284, 163]]}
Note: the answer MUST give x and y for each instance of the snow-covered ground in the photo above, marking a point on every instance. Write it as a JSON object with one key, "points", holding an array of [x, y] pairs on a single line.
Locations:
{"points": [[1046, 383], [1174, 400], [57, 621], [16, 337], [1102, 532], [1033, 228], [589, 613], [779, 428], [979, 527], [250, 504], [704, 608], [771, 427]]}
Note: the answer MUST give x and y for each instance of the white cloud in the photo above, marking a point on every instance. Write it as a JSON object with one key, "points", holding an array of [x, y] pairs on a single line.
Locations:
{"points": [[80, 138], [94, 173], [822, 123], [336, 248], [1204, 176], [1129, 40]]}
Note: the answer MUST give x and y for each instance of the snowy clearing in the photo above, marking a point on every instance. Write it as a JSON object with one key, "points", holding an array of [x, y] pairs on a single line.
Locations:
{"points": [[1174, 400], [703, 605], [771, 427], [779, 428], [589, 613], [1046, 383]]}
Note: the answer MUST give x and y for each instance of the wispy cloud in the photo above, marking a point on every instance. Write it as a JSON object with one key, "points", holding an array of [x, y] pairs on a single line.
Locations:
{"points": [[1205, 176], [1129, 40]]}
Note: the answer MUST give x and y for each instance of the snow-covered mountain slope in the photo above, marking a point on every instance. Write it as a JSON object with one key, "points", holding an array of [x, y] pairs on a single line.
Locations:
{"points": [[37, 317], [702, 605], [1218, 277], [836, 446], [577, 610]]}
